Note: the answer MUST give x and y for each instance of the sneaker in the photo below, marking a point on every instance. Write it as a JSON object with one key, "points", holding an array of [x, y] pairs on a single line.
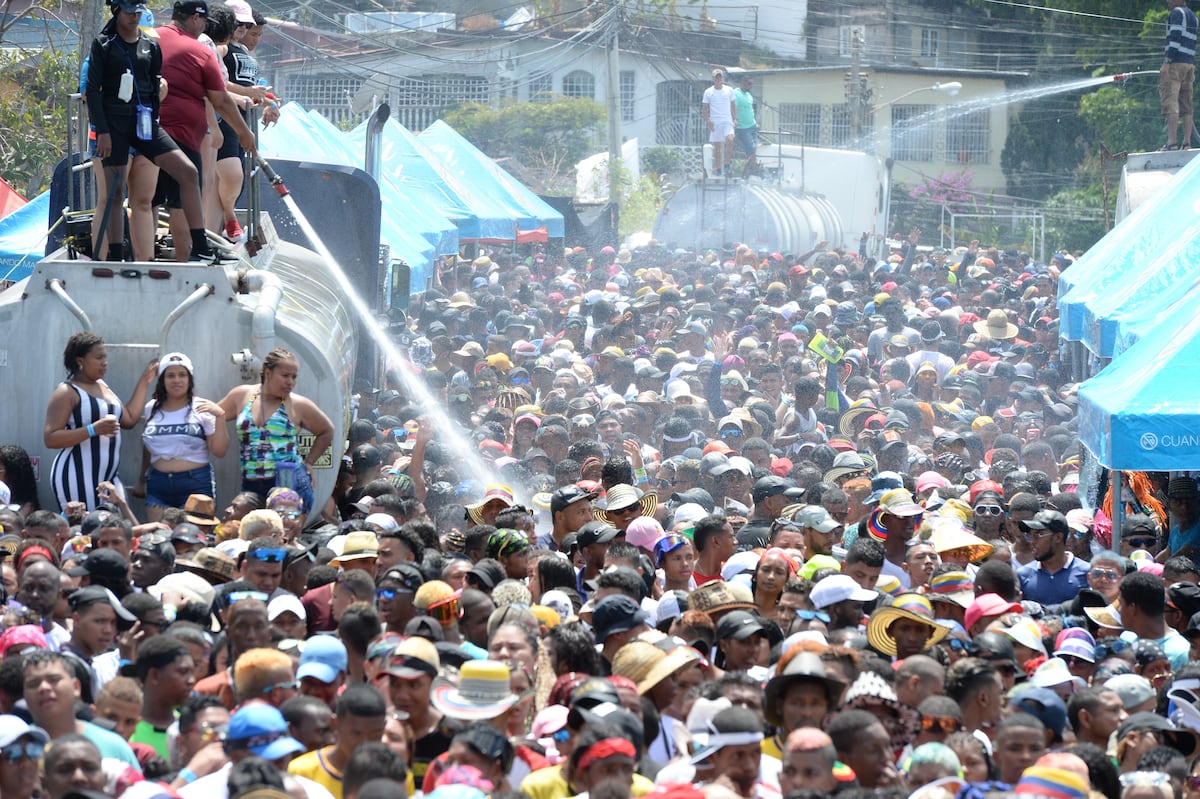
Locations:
{"points": [[210, 254], [233, 231]]}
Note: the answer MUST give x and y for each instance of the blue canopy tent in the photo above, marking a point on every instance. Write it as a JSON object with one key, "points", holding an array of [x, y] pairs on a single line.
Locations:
{"points": [[23, 238], [412, 230], [1142, 412], [473, 167], [413, 168], [1130, 329], [1137, 240], [1144, 291]]}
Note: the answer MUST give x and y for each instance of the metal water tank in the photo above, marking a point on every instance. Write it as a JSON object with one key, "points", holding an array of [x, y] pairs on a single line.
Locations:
{"points": [[226, 318], [712, 214]]}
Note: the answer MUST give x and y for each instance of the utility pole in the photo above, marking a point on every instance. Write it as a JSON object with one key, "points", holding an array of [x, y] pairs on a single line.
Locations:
{"points": [[614, 108], [857, 93]]}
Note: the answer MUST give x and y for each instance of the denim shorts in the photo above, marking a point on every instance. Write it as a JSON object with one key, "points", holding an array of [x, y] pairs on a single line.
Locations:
{"points": [[171, 489]]}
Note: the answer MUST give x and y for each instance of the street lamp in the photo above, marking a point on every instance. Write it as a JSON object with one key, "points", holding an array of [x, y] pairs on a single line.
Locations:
{"points": [[951, 88]]}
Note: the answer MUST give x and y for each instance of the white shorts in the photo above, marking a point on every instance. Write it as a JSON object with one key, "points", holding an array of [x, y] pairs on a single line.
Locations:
{"points": [[721, 131]]}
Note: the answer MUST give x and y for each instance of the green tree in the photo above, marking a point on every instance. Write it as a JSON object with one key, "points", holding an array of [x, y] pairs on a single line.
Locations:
{"points": [[547, 138], [33, 119]]}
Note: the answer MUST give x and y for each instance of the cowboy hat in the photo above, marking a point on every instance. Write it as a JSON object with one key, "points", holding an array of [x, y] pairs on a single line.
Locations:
{"points": [[802, 666], [913, 607]]}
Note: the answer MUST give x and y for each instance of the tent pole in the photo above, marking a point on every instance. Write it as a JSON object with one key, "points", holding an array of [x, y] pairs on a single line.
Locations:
{"points": [[1118, 509]]}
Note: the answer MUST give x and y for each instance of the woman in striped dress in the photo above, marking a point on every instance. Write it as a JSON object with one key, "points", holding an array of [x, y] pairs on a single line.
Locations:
{"points": [[84, 420]]}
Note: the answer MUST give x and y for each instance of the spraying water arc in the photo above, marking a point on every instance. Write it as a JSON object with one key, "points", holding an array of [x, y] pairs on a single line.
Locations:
{"points": [[471, 465]]}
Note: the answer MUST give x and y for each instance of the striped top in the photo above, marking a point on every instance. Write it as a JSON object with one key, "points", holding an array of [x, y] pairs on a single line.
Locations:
{"points": [[77, 471], [1181, 36]]}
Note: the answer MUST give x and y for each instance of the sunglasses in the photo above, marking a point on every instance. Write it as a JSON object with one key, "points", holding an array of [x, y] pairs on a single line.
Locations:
{"points": [[1031, 535], [730, 381], [988, 510], [460, 397], [1078, 662], [948, 724], [956, 644], [809, 615], [212, 732], [288, 515], [519, 381], [267, 555], [1107, 575], [1114, 647], [731, 432], [1079, 535], [386, 593], [21, 750], [562, 736], [1142, 543]]}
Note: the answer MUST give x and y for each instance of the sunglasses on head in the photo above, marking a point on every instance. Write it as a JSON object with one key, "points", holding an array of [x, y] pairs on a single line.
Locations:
{"points": [[809, 615], [1113, 647], [267, 555]]}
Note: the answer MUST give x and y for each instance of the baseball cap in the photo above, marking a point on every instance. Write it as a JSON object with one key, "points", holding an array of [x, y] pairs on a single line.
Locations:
{"points": [[596, 533], [1045, 705], [406, 574], [1183, 740], [323, 658], [989, 605], [568, 495], [817, 518], [262, 729], [187, 8], [770, 486], [107, 564], [241, 11], [838, 588], [616, 614], [738, 625], [1050, 520], [188, 533], [13, 728], [94, 594]]}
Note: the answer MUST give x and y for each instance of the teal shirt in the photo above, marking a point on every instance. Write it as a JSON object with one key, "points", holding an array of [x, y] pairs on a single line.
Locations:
{"points": [[110, 745], [744, 101]]}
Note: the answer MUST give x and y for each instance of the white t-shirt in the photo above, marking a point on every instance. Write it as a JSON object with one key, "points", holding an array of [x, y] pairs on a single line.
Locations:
{"points": [[178, 435], [216, 786], [719, 103]]}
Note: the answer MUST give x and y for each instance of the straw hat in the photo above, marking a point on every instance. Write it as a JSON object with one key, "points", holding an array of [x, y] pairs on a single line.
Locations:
{"points": [[718, 597], [996, 326], [846, 464], [211, 564], [359, 545], [622, 496], [948, 535], [482, 691], [1108, 616], [648, 664], [913, 607], [495, 493]]}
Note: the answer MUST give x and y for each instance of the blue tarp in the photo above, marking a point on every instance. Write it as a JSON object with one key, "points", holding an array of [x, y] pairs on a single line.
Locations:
{"points": [[473, 167], [1141, 412], [1175, 312], [23, 238], [1126, 249], [1144, 290]]}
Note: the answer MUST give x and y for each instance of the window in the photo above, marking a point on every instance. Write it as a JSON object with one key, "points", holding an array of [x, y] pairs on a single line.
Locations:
{"points": [[968, 137], [677, 113], [541, 86], [628, 96], [846, 37], [930, 38], [420, 101], [328, 95], [579, 84], [800, 123], [839, 127], [913, 128]]}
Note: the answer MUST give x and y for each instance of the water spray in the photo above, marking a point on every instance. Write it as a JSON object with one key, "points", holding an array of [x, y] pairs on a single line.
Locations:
{"points": [[271, 175]]}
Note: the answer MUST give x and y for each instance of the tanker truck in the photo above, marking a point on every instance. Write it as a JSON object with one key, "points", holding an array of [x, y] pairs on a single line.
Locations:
{"points": [[805, 195]]}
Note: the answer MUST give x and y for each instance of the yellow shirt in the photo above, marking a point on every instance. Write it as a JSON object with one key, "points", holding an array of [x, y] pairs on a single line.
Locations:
{"points": [[770, 747], [549, 783], [316, 767]]}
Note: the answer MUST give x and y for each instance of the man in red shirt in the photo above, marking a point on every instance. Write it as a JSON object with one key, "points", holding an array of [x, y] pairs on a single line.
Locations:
{"points": [[193, 75]]}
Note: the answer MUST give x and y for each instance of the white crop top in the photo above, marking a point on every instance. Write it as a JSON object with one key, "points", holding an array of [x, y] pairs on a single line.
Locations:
{"points": [[178, 435]]}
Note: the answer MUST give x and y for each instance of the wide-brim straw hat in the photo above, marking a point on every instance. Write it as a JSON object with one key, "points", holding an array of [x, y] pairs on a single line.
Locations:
{"points": [[913, 607], [996, 326], [482, 692], [622, 496]]}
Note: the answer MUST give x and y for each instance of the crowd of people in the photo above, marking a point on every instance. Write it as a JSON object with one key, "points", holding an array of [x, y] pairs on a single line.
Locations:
{"points": [[625, 523]]}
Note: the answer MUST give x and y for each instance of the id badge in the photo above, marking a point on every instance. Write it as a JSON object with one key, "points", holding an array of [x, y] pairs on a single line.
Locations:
{"points": [[145, 123], [125, 89]]}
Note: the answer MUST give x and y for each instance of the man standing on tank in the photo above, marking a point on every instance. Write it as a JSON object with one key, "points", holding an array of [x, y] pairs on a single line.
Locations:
{"points": [[746, 132], [194, 75], [1178, 73], [719, 111]]}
